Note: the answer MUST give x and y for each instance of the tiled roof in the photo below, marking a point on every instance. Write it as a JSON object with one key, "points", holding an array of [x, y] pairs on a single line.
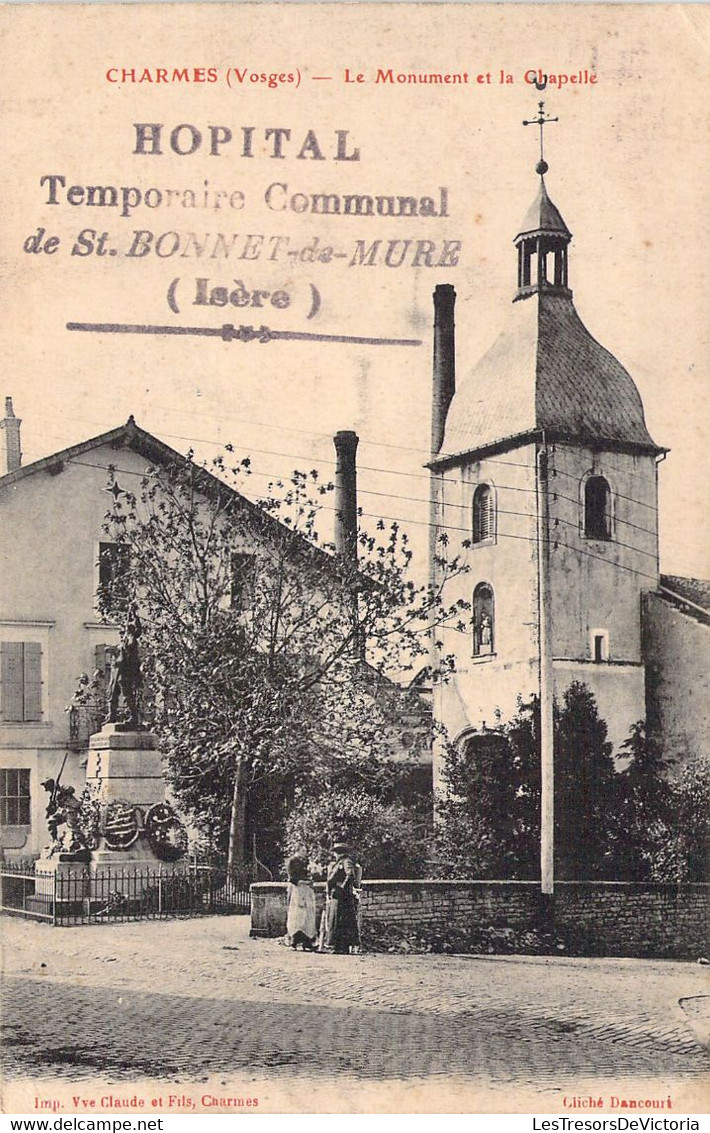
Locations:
{"points": [[545, 371], [696, 590], [157, 453]]}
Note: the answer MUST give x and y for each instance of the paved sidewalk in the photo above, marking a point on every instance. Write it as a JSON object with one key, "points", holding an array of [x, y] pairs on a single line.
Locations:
{"points": [[191, 1010]]}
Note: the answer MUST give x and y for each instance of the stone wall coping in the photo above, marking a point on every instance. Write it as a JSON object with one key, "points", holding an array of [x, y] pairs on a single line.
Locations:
{"points": [[410, 883], [476, 883], [443, 883], [639, 886], [273, 886]]}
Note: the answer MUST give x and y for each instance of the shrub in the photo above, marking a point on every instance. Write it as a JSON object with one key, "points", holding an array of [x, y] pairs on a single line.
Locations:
{"points": [[387, 841]]}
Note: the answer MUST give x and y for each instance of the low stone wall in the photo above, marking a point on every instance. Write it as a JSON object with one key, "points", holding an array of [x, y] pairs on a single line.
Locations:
{"points": [[593, 918], [624, 919]]}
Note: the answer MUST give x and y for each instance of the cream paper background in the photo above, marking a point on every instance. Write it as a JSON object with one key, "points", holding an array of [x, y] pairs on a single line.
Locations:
{"points": [[628, 170]]}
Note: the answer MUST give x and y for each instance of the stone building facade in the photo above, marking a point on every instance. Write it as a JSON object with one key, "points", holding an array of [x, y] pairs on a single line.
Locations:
{"points": [[55, 555], [540, 451], [55, 560]]}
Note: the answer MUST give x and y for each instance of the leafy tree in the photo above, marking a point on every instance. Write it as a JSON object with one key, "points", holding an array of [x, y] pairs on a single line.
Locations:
{"points": [[488, 822], [682, 853], [266, 656], [585, 794], [644, 806], [387, 842], [475, 820]]}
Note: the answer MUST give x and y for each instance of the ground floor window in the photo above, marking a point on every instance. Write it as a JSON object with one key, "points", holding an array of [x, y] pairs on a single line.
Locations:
{"points": [[15, 796]]}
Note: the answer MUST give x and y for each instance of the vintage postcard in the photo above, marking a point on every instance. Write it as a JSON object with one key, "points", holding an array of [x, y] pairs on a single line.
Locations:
{"points": [[429, 283]]}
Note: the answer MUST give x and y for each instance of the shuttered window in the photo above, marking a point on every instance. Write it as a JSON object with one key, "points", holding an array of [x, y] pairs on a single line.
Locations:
{"points": [[21, 681], [101, 665], [483, 514], [15, 796]]}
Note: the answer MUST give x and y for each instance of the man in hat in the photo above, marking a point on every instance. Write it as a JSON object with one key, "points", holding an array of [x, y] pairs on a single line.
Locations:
{"points": [[342, 880]]}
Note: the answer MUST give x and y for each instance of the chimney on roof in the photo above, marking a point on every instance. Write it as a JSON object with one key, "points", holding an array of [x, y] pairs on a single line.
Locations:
{"points": [[444, 362], [10, 451], [345, 540]]}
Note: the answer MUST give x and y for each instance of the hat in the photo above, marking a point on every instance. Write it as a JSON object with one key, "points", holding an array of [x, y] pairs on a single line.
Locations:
{"points": [[339, 844]]}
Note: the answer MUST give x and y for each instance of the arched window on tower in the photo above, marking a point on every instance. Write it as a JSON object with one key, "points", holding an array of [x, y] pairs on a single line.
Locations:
{"points": [[484, 616], [484, 514], [597, 508]]}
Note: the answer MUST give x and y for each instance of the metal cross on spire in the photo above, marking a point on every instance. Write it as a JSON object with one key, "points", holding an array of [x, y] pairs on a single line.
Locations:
{"points": [[542, 120]]}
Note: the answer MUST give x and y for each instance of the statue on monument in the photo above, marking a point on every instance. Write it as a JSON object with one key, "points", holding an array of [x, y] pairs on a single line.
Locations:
{"points": [[63, 809], [125, 674]]}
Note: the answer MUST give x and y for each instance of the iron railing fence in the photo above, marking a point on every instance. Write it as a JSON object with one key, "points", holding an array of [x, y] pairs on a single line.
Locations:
{"points": [[17, 890], [76, 894]]}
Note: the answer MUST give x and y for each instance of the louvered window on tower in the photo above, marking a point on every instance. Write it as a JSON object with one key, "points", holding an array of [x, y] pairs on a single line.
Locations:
{"points": [[597, 508], [483, 514], [21, 681]]}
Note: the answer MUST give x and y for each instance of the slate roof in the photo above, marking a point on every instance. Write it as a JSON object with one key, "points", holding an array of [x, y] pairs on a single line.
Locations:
{"points": [[546, 372], [544, 217]]}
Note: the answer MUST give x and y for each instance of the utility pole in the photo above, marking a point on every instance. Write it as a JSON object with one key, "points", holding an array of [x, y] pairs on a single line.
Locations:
{"points": [[547, 767]]}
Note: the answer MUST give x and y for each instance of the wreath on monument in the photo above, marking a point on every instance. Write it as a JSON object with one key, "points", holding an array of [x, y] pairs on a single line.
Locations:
{"points": [[166, 834], [89, 821]]}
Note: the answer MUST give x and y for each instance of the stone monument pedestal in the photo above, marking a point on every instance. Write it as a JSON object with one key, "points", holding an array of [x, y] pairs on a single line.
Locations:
{"points": [[126, 770], [125, 765], [139, 844], [62, 880]]}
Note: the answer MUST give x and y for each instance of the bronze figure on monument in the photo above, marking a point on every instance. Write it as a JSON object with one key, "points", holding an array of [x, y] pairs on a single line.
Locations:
{"points": [[125, 676]]}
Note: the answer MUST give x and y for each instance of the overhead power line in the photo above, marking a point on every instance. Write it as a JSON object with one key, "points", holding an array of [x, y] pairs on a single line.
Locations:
{"points": [[309, 459]]}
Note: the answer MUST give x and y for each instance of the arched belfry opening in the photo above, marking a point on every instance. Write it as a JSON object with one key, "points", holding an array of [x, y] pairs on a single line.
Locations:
{"points": [[542, 261], [544, 237], [598, 509]]}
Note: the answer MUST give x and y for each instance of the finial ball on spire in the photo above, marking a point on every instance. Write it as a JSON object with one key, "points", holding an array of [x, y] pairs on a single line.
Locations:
{"points": [[542, 168]]}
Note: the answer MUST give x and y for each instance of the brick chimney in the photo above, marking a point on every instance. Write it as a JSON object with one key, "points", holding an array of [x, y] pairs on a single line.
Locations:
{"points": [[10, 452], [345, 539], [444, 362]]}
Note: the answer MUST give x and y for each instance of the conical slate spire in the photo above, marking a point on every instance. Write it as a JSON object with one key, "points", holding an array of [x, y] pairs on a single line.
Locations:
{"points": [[543, 218], [545, 373]]}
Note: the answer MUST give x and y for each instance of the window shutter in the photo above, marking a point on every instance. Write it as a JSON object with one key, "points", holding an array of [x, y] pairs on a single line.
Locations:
{"points": [[483, 514], [32, 681], [11, 674], [486, 514], [23, 802]]}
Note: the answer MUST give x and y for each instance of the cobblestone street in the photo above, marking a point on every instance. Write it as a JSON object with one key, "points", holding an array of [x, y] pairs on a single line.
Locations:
{"points": [[194, 1009]]}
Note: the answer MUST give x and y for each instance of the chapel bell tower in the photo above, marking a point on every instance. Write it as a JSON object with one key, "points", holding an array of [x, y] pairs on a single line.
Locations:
{"points": [[540, 452]]}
